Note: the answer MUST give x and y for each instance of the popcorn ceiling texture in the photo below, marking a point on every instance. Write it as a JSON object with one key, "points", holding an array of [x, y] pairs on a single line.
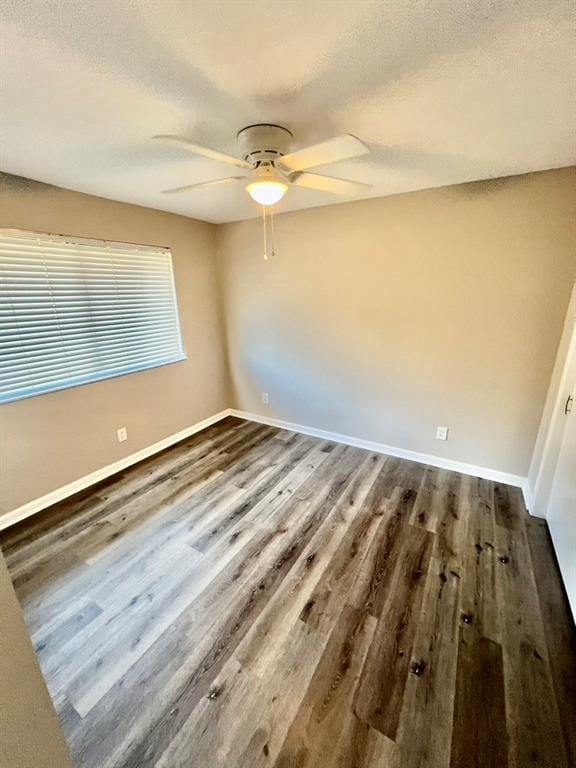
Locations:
{"points": [[443, 91]]}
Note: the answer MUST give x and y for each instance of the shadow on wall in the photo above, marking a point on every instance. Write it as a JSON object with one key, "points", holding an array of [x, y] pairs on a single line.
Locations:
{"points": [[19, 184], [314, 378], [377, 361], [485, 187]]}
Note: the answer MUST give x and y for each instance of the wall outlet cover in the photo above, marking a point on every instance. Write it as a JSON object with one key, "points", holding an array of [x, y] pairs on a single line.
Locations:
{"points": [[442, 433], [122, 434], [265, 398]]}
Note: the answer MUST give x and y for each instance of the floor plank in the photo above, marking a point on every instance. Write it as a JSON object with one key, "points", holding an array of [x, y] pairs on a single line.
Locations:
{"points": [[253, 597], [390, 657], [559, 628], [532, 711], [479, 739]]}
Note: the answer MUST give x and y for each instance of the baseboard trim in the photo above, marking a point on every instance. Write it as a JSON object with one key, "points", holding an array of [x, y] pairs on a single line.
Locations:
{"points": [[37, 505], [32, 507], [402, 453], [529, 500]]}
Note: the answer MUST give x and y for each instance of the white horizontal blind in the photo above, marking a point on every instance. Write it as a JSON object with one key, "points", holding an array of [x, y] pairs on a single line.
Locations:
{"points": [[73, 311]]}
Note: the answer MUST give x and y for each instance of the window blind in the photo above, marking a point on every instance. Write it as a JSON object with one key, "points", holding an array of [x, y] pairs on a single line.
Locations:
{"points": [[74, 311]]}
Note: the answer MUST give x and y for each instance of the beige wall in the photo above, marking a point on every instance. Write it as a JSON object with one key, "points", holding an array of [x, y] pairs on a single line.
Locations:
{"points": [[385, 318], [380, 319], [30, 735], [51, 440]]}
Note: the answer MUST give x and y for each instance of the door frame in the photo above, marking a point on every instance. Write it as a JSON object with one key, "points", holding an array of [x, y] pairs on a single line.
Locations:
{"points": [[551, 431]]}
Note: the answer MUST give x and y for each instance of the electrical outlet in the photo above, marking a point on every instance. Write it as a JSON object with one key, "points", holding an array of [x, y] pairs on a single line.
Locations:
{"points": [[442, 433], [265, 398], [122, 434]]}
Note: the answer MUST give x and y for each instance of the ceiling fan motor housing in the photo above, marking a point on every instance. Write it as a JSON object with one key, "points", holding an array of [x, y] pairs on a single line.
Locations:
{"points": [[264, 142]]}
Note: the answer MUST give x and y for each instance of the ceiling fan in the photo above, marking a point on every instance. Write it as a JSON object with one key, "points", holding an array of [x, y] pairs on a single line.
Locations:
{"points": [[270, 168]]}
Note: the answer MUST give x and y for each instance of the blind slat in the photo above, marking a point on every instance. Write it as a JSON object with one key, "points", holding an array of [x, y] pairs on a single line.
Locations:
{"points": [[33, 375], [74, 312], [15, 358]]}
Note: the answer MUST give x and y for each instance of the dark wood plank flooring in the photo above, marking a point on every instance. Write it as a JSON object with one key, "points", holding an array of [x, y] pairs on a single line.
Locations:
{"points": [[252, 597]]}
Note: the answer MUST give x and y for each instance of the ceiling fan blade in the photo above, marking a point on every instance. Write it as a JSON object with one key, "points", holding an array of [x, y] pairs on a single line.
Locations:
{"points": [[329, 184], [331, 151], [190, 187], [198, 149]]}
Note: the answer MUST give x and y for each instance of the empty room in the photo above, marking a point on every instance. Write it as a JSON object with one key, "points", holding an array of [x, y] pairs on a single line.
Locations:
{"points": [[287, 383]]}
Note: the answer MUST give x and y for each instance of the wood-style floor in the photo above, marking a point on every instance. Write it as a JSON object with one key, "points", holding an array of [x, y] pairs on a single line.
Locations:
{"points": [[253, 597]]}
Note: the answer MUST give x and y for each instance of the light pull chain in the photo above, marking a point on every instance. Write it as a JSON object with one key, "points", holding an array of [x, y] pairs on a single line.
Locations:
{"points": [[268, 233], [265, 233]]}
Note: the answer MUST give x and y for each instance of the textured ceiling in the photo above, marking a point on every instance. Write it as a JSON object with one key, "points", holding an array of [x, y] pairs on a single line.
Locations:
{"points": [[443, 91]]}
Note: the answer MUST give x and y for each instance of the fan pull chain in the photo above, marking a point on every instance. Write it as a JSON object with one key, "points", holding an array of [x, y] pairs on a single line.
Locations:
{"points": [[268, 233]]}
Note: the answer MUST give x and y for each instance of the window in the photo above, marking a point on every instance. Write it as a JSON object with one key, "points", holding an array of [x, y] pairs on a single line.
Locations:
{"points": [[73, 311]]}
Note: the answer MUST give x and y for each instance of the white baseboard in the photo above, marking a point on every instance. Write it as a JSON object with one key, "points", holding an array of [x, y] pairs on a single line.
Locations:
{"points": [[402, 453], [529, 500], [32, 507]]}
